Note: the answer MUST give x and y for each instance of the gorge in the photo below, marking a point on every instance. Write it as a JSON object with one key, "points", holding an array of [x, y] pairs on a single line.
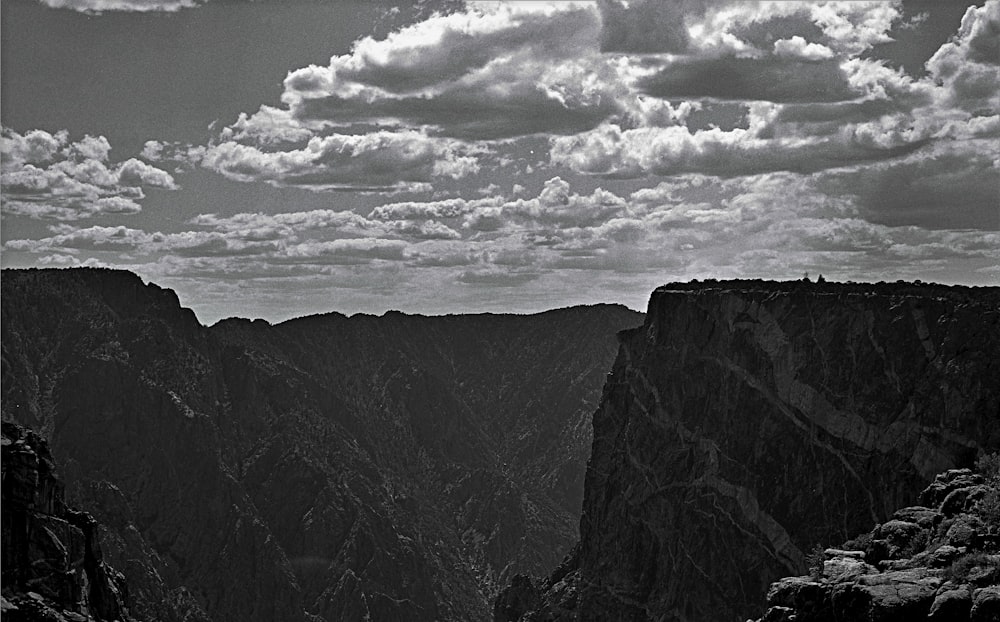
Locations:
{"points": [[405, 467]]}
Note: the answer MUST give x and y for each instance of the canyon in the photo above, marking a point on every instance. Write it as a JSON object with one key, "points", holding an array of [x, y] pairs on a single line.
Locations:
{"points": [[469, 467], [396, 467]]}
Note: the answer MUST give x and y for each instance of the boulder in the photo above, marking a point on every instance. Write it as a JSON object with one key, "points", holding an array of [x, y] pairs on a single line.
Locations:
{"points": [[951, 606], [945, 483], [986, 604]]}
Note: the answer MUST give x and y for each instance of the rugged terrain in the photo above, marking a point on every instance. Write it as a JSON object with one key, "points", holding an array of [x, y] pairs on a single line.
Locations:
{"points": [[327, 468], [747, 421], [53, 569], [938, 561]]}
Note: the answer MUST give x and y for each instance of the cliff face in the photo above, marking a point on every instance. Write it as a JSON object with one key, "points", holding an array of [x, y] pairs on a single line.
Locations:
{"points": [[53, 568], [743, 423], [398, 467]]}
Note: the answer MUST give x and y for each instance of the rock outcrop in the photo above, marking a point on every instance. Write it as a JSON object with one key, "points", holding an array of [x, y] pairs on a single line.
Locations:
{"points": [[936, 562], [53, 568], [327, 468], [746, 421]]}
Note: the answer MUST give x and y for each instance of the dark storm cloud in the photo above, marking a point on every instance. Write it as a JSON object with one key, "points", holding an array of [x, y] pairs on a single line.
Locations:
{"points": [[741, 79], [474, 114], [829, 117], [496, 278], [647, 26], [945, 187]]}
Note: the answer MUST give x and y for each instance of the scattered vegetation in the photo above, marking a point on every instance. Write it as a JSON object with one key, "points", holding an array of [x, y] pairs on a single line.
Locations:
{"points": [[860, 543], [989, 467], [962, 567], [917, 544], [988, 508], [814, 562]]}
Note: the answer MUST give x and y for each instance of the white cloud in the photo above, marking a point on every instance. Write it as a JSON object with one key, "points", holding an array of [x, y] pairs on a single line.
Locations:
{"points": [[967, 66], [797, 47], [101, 6], [377, 161], [46, 176], [480, 74]]}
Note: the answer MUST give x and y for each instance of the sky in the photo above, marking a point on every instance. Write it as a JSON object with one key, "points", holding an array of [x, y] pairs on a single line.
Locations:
{"points": [[279, 158]]}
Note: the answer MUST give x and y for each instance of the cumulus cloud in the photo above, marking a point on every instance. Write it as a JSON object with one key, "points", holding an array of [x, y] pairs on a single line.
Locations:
{"points": [[634, 153], [479, 74], [556, 239], [797, 47], [968, 65], [819, 106], [46, 176], [376, 161], [738, 139]]}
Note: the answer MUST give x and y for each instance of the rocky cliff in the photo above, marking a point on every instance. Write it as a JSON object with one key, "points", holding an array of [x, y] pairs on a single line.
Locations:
{"points": [[938, 561], [328, 468], [747, 421], [53, 568]]}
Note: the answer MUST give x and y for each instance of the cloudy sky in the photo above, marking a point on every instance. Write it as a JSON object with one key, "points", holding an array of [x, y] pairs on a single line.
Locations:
{"points": [[283, 157]]}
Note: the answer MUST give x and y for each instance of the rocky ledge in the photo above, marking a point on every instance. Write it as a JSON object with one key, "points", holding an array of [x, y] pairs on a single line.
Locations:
{"points": [[937, 561], [53, 570]]}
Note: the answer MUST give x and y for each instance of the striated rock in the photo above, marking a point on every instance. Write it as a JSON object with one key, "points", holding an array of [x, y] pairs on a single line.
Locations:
{"points": [[326, 468], [747, 421], [53, 568], [520, 597]]}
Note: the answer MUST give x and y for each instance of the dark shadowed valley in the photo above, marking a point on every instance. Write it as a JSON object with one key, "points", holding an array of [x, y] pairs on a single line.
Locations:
{"points": [[386, 468]]}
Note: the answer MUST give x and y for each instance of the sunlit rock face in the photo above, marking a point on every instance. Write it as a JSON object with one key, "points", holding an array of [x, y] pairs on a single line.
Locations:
{"points": [[747, 421], [327, 468]]}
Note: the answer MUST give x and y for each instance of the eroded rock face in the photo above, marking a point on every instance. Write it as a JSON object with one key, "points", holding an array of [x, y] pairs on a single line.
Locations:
{"points": [[745, 422], [328, 468], [53, 568]]}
